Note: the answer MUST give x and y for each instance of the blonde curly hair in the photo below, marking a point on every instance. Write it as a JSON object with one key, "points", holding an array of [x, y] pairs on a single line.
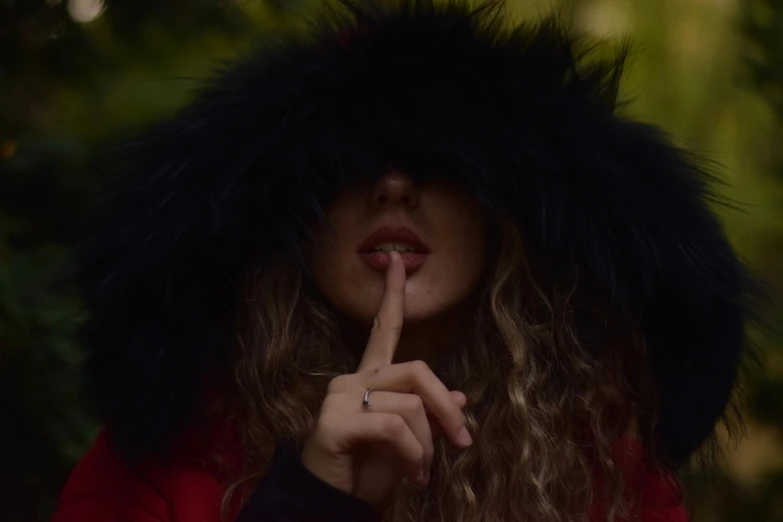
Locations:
{"points": [[553, 374]]}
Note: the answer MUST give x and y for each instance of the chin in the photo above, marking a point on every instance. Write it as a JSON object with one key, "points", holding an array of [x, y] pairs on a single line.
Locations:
{"points": [[420, 306], [356, 291], [422, 315], [365, 314]]}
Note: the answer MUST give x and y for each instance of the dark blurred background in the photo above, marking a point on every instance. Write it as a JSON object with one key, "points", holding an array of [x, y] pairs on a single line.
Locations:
{"points": [[74, 73]]}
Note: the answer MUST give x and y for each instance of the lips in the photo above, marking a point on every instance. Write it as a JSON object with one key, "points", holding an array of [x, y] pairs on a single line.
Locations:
{"points": [[405, 237], [400, 235]]}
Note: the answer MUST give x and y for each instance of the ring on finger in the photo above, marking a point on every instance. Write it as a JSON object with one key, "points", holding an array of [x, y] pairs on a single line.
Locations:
{"points": [[366, 406]]}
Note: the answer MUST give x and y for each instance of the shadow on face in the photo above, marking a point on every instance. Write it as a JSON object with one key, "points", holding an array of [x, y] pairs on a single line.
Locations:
{"points": [[438, 226]]}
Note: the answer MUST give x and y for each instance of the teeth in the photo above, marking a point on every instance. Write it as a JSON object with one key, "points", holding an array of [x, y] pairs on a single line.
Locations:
{"points": [[388, 247]]}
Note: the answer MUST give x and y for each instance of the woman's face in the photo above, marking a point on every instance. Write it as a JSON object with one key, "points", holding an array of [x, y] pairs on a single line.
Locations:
{"points": [[438, 227]]}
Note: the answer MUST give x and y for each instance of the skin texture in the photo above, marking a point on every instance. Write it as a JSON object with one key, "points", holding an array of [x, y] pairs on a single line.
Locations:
{"points": [[367, 453], [444, 216], [438, 295]]}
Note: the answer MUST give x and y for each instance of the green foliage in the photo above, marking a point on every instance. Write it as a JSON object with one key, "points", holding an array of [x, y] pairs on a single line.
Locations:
{"points": [[63, 88], [46, 425], [763, 27]]}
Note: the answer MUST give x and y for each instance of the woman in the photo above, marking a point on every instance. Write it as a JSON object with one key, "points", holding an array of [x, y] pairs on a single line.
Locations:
{"points": [[559, 332]]}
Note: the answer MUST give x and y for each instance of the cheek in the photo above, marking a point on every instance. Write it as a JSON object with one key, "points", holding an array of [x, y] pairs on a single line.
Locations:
{"points": [[448, 278], [445, 283], [453, 274]]}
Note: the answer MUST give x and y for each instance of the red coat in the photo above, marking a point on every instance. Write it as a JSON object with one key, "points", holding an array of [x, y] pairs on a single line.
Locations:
{"points": [[185, 488]]}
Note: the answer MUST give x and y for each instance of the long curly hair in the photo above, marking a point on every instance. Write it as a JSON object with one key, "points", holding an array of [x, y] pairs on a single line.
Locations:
{"points": [[553, 373]]}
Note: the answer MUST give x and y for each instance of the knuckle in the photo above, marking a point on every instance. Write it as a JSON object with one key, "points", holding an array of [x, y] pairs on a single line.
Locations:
{"points": [[336, 385], [371, 372], [420, 369], [413, 403], [419, 455], [394, 425]]}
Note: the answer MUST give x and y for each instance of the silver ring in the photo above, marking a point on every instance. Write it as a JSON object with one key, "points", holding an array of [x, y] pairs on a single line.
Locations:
{"points": [[366, 400]]}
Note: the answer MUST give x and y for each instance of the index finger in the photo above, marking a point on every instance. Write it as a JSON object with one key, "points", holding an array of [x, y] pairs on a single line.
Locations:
{"points": [[387, 326]]}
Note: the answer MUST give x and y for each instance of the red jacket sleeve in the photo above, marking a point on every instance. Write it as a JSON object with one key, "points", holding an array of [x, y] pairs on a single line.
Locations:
{"points": [[661, 499], [657, 493], [103, 487]]}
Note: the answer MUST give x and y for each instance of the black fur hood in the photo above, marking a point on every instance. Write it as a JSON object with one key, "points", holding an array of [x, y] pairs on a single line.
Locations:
{"points": [[516, 114]]}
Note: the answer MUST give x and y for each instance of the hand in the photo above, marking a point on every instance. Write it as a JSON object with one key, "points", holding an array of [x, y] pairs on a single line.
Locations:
{"points": [[368, 453]]}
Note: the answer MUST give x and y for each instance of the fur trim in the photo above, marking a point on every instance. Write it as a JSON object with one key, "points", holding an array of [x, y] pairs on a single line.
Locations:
{"points": [[517, 115]]}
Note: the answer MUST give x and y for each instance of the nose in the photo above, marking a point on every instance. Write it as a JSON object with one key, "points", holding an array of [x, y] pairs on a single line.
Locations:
{"points": [[395, 188]]}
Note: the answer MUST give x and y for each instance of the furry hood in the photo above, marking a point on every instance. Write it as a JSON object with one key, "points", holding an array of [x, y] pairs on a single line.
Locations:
{"points": [[516, 114]]}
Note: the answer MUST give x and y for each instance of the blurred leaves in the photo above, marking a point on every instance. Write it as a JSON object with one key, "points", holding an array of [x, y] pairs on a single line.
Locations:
{"points": [[732, 501], [64, 87], [768, 406], [763, 26], [46, 426]]}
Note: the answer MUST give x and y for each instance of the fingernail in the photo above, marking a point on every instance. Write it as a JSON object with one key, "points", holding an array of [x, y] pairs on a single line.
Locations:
{"points": [[464, 437]]}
